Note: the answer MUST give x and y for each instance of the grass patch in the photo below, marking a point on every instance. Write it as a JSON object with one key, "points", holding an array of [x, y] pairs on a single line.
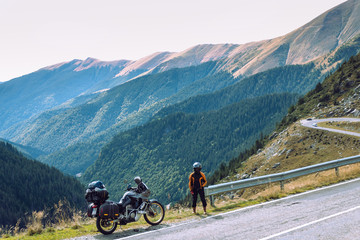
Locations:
{"points": [[345, 126]]}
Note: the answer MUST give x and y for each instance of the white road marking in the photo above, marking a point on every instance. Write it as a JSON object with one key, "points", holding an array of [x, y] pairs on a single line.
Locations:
{"points": [[158, 230], [310, 223]]}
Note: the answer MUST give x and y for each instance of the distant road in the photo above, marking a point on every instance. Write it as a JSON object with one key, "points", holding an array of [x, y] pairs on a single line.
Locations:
{"points": [[313, 124]]}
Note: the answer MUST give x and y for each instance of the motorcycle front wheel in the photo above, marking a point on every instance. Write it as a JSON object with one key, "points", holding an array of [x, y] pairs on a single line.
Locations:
{"points": [[105, 226], [155, 213]]}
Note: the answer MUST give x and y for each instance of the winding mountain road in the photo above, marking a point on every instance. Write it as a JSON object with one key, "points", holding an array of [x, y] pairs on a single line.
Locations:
{"points": [[326, 213]]}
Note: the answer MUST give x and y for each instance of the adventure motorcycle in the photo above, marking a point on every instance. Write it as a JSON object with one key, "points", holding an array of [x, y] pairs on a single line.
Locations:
{"points": [[109, 213]]}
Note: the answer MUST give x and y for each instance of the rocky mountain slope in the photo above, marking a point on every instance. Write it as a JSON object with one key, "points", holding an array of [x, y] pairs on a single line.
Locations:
{"points": [[323, 34]]}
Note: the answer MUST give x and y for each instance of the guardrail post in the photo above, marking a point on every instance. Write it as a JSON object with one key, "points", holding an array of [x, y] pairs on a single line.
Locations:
{"points": [[337, 171], [282, 187], [212, 201]]}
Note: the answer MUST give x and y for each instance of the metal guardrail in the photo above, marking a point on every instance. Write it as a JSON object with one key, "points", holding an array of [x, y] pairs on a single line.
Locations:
{"points": [[278, 177]]}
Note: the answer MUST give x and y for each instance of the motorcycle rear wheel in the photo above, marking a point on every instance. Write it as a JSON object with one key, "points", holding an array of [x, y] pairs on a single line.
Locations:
{"points": [[155, 213], [105, 226]]}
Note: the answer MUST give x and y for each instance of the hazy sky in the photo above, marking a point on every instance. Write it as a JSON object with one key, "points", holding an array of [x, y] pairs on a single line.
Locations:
{"points": [[39, 33]]}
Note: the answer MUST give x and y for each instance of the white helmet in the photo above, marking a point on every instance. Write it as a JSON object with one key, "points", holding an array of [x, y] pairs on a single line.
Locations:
{"points": [[197, 165], [137, 180]]}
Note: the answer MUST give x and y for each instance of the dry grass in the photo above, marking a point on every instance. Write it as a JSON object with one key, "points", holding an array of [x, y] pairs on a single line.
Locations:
{"points": [[34, 225], [58, 218]]}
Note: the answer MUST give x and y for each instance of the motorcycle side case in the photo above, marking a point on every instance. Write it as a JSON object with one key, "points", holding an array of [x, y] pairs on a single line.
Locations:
{"points": [[109, 210]]}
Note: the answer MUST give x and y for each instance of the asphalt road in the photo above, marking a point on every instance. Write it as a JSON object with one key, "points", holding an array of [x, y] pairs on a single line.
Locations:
{"points": [[326, 213]]}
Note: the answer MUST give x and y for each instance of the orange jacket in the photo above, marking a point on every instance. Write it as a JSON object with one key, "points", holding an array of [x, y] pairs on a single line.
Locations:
{"points": [[202, 181]]}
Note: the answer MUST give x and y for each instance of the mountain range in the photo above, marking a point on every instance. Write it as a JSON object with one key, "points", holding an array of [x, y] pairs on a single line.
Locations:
{"points": [[73, 111], [54, 85]]}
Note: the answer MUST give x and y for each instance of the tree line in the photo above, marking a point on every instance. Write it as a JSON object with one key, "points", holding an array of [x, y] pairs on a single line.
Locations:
{"points": [[27, 185]]}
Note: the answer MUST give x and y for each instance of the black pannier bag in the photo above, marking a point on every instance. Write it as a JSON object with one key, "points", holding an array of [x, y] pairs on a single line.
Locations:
{"points": [[96, 184], [109, 210], [96, 193]]}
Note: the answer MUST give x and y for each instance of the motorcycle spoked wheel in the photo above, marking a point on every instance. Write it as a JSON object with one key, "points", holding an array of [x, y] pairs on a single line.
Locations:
{"points": [[105, 226], [155, 213]]}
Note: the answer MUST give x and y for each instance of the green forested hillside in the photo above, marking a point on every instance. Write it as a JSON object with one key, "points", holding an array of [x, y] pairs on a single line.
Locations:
{"points": [[27, 185], [293, 79], [27, 151], [163, 150], [78, 157], [126, 108], [51, 132]]}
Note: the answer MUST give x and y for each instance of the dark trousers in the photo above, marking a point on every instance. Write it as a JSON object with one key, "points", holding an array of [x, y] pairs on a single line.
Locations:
{"points": [[202, 197]]}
